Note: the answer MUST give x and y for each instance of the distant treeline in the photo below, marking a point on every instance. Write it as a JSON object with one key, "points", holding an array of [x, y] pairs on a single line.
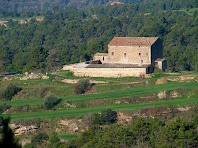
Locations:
{"points": [[73, 35], [39, 5]]}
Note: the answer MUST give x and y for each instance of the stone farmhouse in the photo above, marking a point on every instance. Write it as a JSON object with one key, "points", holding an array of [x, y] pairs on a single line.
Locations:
{"points": [[127, 56]]}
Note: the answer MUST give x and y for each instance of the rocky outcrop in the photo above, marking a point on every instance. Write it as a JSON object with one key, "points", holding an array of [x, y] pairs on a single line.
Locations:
{"points": [[26, 77], [19, 130], [162, 94], [74, 127], [175, 94], [25, 129], [187, 78], [73, 81]]}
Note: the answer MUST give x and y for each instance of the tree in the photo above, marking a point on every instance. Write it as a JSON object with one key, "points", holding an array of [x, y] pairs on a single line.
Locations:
{"points": [[2, 67], [82, 86], [53, 61], [8, 139], [106, 117], [10, 91], [53, 139], [50, 101], [39, 138]]}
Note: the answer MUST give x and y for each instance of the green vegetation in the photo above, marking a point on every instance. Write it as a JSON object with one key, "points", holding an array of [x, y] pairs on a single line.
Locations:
{"points": [[39, 138], [68, 136], [7, 136], [4, 107], [85, 111], [106, 117], [108, 113], [190, 11], [140, 133], [33, 5], [82, 86], [10, 91], [39, 46], [128, 92], [50, 101]]}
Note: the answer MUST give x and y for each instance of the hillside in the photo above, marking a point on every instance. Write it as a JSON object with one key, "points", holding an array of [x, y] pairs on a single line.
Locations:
{"points": [[135, 100], [40, 5], [71, 35]]}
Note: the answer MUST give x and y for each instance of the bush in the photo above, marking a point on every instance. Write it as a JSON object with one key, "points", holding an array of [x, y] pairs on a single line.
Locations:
{"points": [[28, 145], [43, 92], [106, 117], [10, 91], [39, 138], [4, 107], [2, 95], [82, 86], [50, 101], [53, 139]]}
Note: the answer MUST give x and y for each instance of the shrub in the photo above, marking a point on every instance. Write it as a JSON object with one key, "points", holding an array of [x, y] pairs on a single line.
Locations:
{"points": [[28, 145], [39, 138], [106, 117], [82, 86], [2, 95], [196, 92], [53, 138], [50, 101], [1, 110], [1, 122], [4, 107], [43, 92], [10, 91]]}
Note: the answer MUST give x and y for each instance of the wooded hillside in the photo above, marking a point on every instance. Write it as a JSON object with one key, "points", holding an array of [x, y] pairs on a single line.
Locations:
{"points": [[70, 35], [39, 5]]}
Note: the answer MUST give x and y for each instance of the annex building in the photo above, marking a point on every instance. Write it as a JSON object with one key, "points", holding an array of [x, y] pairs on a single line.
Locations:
{"points": [[127, 56]]}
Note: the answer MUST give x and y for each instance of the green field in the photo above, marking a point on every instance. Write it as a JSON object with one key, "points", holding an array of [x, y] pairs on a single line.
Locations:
{"points": [[86, 111], [129, 92]]}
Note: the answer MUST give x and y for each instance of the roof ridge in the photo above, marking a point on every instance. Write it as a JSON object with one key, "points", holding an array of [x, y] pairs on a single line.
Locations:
{"points": [[130, 41]]}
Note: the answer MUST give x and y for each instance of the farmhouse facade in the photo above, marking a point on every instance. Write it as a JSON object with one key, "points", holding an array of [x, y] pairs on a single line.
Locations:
{"points": [[127, 56]]}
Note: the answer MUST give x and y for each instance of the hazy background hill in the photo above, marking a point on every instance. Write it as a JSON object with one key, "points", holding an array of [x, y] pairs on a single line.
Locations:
{"points": [[39, 5]]}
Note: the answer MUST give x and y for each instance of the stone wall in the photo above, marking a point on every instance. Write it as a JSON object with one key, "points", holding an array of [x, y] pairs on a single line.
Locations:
{"points": [[109, 72], [103, 59], [129, 54], [161, 64]]}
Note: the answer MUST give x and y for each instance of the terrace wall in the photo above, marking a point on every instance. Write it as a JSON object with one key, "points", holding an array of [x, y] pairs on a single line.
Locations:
{"points": [[109, 72]]}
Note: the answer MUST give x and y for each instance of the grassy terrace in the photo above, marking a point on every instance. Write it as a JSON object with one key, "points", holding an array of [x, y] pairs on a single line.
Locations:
{"points": [[68, 136], [85, 111], [128, 92]]}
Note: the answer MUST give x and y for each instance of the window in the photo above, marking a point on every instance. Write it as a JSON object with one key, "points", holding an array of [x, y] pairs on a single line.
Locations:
{"points": [[103, 58], [139, 54], [112, 53], [141, 61], [124, 54]]}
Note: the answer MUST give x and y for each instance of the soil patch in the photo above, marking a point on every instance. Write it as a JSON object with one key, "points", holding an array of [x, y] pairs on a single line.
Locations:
{"points": [[161, 81]]}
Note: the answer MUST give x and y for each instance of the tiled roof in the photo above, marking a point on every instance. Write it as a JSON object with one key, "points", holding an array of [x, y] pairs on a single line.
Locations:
{"points": [[101, 54], [133, 41]]}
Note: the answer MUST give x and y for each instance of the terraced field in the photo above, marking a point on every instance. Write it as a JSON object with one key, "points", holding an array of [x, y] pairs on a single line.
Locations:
{"points": [[85, 111], [127, 96], [128, 92]]}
